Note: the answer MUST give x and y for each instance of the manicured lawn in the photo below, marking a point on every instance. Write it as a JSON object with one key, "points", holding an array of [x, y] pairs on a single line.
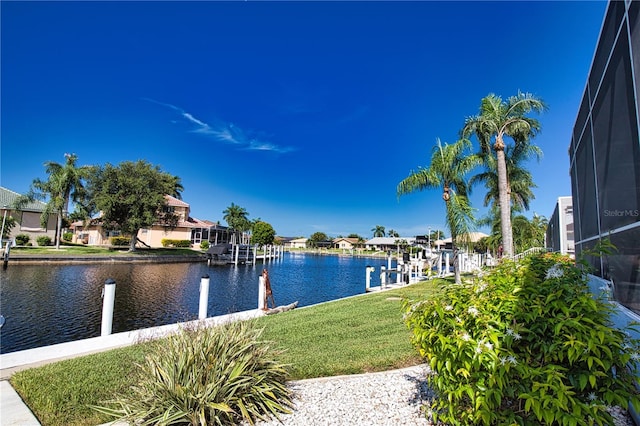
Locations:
{"points": [[354, 335]]}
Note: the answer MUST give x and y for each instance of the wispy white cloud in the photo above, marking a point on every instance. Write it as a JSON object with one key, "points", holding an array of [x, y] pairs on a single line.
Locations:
{"points": [[224, 132]]}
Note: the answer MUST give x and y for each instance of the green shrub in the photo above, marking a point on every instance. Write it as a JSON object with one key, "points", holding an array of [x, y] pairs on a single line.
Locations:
{"points": [[43, 240], [22, 239], [204, 245], [67, 236], [120, 241], [167, 242], [207, 376], [527, 344]]}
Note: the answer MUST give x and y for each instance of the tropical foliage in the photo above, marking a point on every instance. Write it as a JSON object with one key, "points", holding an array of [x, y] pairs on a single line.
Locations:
{"points": [[131, 196], [527, 344], [450, 163], [519, 180], [63, 185], [237, 218], [527, 233], [436, 235], [8, 223], [497, 119], [262, 233], [207, 376], [316, 238], [378, 231]]}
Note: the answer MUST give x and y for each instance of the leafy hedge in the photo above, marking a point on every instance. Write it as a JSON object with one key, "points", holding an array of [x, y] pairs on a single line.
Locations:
{"points": [[527, 344], [166, 242], [120, 241], [44, 240], [22, 239]]}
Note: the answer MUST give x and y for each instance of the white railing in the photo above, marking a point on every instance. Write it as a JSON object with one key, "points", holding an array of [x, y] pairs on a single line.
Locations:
{"points": [[532, 250]]}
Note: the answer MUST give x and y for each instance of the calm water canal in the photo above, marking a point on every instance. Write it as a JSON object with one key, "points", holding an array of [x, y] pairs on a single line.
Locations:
{"points": [[48, 304]]}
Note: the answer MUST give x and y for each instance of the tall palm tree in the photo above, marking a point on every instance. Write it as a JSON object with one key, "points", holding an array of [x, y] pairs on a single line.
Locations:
{"points": [[448, 169], [378, 231], [496, 120], [63, 185]]}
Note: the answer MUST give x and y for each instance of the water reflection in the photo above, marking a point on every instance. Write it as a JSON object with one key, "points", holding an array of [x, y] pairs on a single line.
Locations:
{"points": [[47, 304]]}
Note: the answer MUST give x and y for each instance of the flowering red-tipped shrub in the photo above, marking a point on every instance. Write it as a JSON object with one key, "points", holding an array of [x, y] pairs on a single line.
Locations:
{"points": [[527, 344]]}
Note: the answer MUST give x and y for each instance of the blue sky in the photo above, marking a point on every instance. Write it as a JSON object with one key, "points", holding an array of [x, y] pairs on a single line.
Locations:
{"points": [[307, 114]]}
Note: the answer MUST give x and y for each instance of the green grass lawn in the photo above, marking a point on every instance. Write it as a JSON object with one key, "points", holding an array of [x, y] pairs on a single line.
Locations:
{"points": [[355, 335]]}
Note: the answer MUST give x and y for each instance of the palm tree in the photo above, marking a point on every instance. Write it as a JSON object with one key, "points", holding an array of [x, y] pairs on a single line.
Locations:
{"points": [[448, 169], [539, 224], [236, 218], [378, 231], [436, 235], [64, 184], [497, 119], [393, 233]]}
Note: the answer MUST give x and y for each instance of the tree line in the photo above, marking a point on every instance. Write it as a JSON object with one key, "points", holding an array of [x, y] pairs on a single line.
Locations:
{"points": [[128, 197]]}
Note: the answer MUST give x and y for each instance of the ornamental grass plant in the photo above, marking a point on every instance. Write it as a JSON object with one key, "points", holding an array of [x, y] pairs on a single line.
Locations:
{"points": [[207, 376], [527, 344]]}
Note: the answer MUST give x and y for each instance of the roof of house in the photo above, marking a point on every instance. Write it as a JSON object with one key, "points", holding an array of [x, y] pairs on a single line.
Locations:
{"points": [[349, 240], [299, 240], [389, 241], [474, 237], [8, 198], [173, 201]]}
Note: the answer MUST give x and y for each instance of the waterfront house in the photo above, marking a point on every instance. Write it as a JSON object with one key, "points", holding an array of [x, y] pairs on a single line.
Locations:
{"points": [[463, 240], [187, 228], [27, 218], [388, 243], [298, 243], [346, 243]]}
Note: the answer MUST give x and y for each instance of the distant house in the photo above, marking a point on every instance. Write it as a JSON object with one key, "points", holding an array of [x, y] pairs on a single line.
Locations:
{"points": [[387, 243], [472, 237], [27, 218], [345, 243], [283, 241], [187, 228], [298, 243]]}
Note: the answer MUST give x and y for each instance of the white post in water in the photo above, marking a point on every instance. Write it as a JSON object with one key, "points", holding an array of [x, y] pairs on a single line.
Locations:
{"points": [[369, 269], [261, 293], [255, 253], [204, 297], [237, 247], [108, 300], [383, 276], [389, 259]]}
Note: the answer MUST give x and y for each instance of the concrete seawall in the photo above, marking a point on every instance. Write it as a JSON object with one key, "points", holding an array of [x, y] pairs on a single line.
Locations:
{"points": [[21, 360]]}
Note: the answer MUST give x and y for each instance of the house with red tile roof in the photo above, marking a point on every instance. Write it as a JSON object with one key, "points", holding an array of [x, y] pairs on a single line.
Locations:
{"points": [[187, 228]]}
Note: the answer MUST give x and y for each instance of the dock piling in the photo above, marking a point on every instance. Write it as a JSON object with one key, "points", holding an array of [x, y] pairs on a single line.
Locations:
{"points": [[109, 297], [204, 297]]}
